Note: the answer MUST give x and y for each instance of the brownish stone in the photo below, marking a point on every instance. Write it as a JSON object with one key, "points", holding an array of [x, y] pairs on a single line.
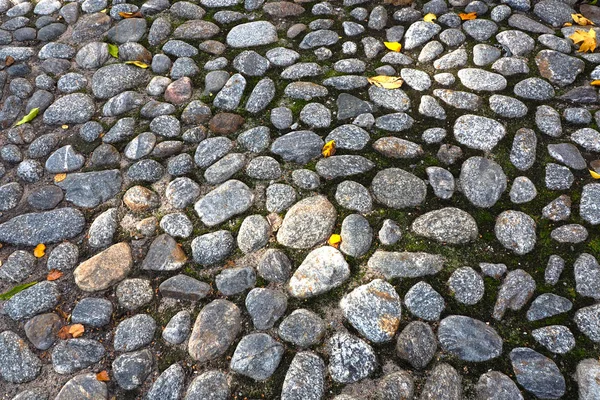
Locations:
{"points": [[225, 123], [105, 269], [282, 9], [179, 91]]}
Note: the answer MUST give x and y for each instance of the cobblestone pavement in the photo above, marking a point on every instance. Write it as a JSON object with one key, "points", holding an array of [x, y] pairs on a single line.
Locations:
{"points": [[213, 199]]}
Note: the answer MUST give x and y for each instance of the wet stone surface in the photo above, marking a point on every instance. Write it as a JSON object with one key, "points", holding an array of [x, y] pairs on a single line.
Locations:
{"points": [[217, 193]]}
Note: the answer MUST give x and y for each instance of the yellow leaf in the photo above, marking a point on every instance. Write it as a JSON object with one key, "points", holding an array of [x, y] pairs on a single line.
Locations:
{"points": [[595, 83], [334, 240], [60, 177], [103, 11], [393, 46], [467, 16], [386, 82], [125, 14], [137, 64], [429, 17], [581, 20], [39, 250], [587, 40], [65, 126], [594, 174], [567, 24], [328, 149]]}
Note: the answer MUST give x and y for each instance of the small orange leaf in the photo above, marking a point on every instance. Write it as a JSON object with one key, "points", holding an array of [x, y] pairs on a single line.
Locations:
{"points": [[63, 333], [595, 83], [60, 177], [39, 250], [334, 240], [567, 24], [54, 274], [102, 376], [467, 16], [9, 61], [328, 149], [76, 330]]}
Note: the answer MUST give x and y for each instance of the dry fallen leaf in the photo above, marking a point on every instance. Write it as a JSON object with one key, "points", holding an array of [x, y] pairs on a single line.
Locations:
{"points": [[54, 274], [9, 61], [587, 40], [595, 83], [102, 376], [334, 240], [137, 64], [59, 177], [594, 174], [393, 46], [429, 17], [76, 330], [467, 16], [328, 149], [386, 82], [567, 24], [39, 250], [124, 14], [581, 20], [63, 333]]}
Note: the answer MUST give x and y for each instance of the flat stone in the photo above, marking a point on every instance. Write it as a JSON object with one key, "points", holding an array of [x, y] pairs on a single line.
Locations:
{"points": [[516, 290], [469, 339], [396, 188], [104, 269], [307, 223], [18, 364], [587, 375], [164, 254], [351, 359], [538, 374], [230, 198], [516, 231], [90, 189], [217, 326], [442, 382], [482, 181], [405, 264], [495, 385], [130, 370], [251, 34], [305, 378], [83, 386], [73, 355], [374, 310], [323, 269], [134, 333], [447, 225], [257, 356], [478, 132]]}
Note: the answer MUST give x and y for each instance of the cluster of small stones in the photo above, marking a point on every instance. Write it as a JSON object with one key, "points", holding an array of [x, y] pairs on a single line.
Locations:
{"points": [[188, 205]]}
